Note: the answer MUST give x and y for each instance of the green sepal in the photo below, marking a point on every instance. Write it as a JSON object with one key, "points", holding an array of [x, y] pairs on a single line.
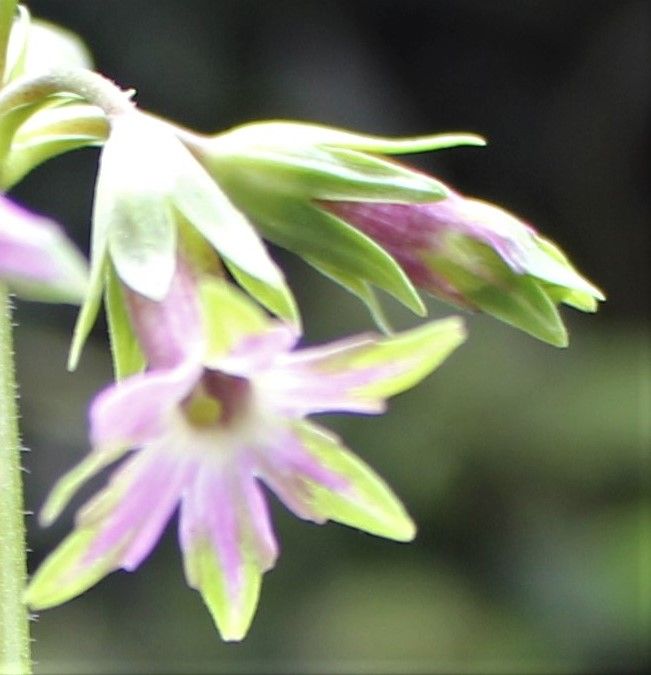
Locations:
{"points": [[142, 243], [525, 305], [359, 288], [102, 218], [51, 132], [551, 265], [203, 571], [278, 300], [327, 173], [66, 487], [228, 316], [283, 134], [128, 358], [205, 205], [326, 241], [487, 283], [366, 502], [62, 576]]}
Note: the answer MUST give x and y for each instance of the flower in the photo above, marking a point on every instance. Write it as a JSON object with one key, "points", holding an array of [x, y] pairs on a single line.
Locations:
{"points": [[365, 221], [221, 411], [154, 200], [36, 258], [478, 256]]}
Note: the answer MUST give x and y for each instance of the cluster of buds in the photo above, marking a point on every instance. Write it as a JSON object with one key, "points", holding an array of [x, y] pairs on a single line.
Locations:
{"points": [[213, 391]]}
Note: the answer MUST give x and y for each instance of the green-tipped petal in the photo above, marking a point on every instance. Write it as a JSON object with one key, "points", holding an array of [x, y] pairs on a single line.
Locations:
{"points": [[366, 502], [414, 353], [62, 576], [232, 615], [66, 487]]}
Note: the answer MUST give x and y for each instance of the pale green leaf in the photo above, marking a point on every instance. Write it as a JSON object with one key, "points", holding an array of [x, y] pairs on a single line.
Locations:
{"points": [[367, 502]]}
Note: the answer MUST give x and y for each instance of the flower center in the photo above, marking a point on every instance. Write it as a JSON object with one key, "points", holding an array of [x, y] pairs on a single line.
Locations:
{"points": [[218, 400]]}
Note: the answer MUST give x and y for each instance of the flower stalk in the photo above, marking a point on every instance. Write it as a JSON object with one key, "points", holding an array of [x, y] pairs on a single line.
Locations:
{"points": [[14, 619]]}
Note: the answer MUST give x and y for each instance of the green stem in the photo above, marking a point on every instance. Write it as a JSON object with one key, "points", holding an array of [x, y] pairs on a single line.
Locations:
{"points": [[7, 13], [14, 618]]}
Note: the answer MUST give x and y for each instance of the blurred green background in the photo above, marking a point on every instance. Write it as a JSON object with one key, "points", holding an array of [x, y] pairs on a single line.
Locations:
{"points": [[526, 467]]}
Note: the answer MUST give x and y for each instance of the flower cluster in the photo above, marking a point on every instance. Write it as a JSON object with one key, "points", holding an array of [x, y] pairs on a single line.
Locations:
{"points": [[213, 390]]}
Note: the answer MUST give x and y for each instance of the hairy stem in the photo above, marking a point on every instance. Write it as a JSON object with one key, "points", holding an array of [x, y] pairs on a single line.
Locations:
{"points": [[88, 85], [14, 618]]}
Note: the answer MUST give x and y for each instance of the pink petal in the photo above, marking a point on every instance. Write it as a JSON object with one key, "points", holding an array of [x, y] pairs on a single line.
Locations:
{"points": [[230, 511], [287, 467], [131, 412], [148, 488], [258, 352]]}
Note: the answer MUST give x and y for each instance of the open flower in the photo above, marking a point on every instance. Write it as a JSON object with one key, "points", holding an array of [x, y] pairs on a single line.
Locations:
{"points": [[36, 258], [221, 413]]}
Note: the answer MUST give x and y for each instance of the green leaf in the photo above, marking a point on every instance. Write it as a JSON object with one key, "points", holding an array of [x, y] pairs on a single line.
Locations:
{"points": [[279, 301], [62, 576], [128, 358], [228, 316], [366, 503], [232, 615]]}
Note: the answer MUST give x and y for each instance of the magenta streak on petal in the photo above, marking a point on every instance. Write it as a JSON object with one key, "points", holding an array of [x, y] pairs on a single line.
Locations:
{"points": [[257, 513], [217, 500], [286, 465], [169, 331], [408, 231], [131, 412], [154, 485]]}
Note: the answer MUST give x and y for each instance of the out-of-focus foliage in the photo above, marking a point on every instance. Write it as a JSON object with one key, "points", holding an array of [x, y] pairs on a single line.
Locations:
{"points": [[522, 465]]}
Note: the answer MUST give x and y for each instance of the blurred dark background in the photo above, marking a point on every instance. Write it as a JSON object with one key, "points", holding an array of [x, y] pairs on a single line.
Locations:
{"points": [[526, 467]]}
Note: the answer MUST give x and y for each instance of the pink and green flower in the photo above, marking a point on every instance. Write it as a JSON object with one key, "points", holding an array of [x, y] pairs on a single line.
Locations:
{"points": [[220, 413]]}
